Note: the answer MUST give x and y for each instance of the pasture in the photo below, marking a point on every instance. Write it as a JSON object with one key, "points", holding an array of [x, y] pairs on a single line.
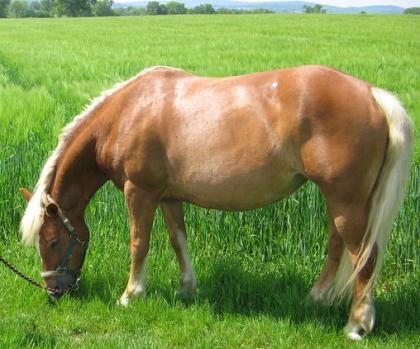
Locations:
{"points": [[254, 269]]}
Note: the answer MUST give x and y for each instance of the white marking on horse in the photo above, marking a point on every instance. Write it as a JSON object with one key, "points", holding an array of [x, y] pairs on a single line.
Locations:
{"points": [[141, 281], [188, 282], [138, 286]]}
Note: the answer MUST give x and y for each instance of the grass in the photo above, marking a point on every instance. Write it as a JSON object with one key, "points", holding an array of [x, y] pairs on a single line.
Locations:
{"points": [[254, 268]]}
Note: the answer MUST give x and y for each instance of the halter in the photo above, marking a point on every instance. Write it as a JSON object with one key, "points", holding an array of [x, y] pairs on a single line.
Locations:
{"points": [[62, 268], [74, 239]]}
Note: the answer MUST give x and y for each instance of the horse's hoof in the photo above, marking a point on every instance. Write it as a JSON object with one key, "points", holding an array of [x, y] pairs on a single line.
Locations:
{"points": [[357, 332], [361, 321], [354, 332], [187, 288], [126, 298], [316, 297], [186, 293], [354, 336], [124, 301]]}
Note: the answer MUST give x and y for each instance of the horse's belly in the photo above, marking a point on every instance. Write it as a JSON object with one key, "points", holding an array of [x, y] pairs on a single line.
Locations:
{"points": [[236, 166], [241, 192]]}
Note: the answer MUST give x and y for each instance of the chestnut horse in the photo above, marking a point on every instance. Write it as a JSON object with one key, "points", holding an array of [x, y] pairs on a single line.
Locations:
{"points": [[235, 143]]}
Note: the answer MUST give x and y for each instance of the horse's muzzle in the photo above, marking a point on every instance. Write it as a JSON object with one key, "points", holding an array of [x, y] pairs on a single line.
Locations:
{"points": [[60, 283]]}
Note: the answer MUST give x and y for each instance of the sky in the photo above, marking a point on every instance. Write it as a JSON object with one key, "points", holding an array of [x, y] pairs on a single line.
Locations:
{"points": [[342, 3]]}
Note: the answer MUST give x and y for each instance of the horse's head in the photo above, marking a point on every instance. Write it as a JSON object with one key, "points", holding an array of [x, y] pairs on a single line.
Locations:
{"points": [[61, 247]]}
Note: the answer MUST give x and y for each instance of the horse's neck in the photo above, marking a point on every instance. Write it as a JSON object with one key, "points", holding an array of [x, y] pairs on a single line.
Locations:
{"points": [[77, 176]]}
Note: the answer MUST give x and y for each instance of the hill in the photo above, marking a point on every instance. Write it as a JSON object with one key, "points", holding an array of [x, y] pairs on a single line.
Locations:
{"points": [[284, 6]]}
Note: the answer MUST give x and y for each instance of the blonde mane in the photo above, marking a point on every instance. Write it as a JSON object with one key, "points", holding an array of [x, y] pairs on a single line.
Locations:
{"points": [[33, 217]]}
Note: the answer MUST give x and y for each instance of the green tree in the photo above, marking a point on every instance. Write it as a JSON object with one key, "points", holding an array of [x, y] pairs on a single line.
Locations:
{"points": [[103, 8], [130, 11], [24, 8], [162, 9], [202, 9], [19, 8], [176, 8], [4, 7], [34, 9], [46, 8], [152, 8], [314, 9], [412, 11], [74, 8], [224, 11]]}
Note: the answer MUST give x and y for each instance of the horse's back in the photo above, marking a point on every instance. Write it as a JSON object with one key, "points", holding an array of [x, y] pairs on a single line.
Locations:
{"points": [[220, 142]]}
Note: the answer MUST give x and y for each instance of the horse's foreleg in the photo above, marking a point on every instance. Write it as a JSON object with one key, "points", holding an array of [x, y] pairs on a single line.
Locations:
{"points": [[174, 219], [141, 207]]}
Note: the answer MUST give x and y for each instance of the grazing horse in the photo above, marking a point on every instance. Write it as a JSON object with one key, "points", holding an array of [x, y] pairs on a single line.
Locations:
{"points": [[235, 143]]}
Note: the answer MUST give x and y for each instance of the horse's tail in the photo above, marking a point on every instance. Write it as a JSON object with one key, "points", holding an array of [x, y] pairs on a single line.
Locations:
{"points": [[386, 197]]}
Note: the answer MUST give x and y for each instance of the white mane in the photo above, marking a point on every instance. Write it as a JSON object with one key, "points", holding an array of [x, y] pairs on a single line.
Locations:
{"points": [[34, 214]]}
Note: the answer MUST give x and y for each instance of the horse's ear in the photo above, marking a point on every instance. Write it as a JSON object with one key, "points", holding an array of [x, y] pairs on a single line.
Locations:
{"points": [[26, 194]]}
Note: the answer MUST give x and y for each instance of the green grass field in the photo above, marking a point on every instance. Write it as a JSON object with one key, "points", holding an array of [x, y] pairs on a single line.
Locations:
{"points": [[254, 268]]}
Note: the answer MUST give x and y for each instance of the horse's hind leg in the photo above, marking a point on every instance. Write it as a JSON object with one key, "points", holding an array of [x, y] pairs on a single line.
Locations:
{"points": [[351, 221], [141, 207], [322, 289], [362, 313], [174, 219]]}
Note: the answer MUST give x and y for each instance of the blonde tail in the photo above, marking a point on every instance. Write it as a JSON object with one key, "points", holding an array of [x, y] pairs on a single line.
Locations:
{"points": [[386, 198]]}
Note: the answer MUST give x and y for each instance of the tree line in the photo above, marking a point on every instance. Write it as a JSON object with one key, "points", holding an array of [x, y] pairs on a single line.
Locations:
{"points": [[314, 9], [412, 11], [86, 8]]}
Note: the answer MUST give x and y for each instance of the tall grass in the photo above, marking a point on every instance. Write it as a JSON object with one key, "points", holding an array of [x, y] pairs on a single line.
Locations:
{"points": [[254, 268]]}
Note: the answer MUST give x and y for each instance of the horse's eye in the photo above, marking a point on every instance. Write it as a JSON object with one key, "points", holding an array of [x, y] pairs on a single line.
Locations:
{"points": [[53, 243]]}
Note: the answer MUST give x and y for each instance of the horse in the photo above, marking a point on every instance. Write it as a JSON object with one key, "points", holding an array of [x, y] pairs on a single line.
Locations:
{"points": [[167, 136]]}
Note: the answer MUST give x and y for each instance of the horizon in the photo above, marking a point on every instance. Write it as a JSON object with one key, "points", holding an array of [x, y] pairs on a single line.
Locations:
{"points": [[351, 3], [337, 3]]}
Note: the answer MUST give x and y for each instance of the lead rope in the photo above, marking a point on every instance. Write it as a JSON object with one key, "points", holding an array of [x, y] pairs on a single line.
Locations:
{"points": [[55, 291]]}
